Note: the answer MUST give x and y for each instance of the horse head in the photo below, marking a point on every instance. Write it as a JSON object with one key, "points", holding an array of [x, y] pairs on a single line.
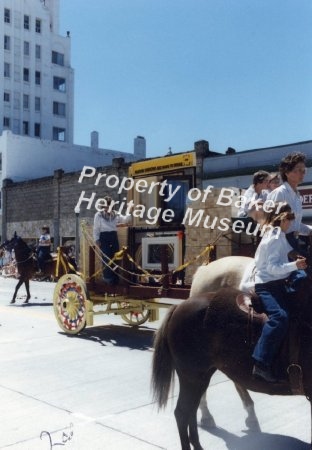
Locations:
{"points": [[11, 244]]}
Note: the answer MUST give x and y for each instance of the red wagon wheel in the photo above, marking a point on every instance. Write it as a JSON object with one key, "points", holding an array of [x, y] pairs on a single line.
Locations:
{"points": [[69, 303], [135, 317]]}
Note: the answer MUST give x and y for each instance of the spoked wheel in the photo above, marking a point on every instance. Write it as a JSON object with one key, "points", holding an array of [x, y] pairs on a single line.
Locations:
{"points": [[69, 303], [135, 317]]}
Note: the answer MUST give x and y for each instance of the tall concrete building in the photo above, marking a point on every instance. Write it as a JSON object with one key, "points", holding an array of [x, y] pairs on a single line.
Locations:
{"points": [[37, 98], [37, 94]]}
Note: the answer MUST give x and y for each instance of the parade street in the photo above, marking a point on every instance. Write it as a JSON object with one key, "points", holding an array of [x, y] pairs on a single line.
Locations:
{"points": [[92, 391]]}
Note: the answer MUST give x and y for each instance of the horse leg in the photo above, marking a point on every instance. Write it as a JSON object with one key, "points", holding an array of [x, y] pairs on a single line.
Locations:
{"points": [[26, 281], [185, 412], [207, 420], [251, 420], [19, 284]]}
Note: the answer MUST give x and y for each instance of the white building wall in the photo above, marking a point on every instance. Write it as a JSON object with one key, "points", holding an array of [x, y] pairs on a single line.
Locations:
{"points": [[15, 85], [25, 158]]}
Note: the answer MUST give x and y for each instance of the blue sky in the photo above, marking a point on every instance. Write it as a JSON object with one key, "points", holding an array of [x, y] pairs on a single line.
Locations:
{"points": [[237, 73]]}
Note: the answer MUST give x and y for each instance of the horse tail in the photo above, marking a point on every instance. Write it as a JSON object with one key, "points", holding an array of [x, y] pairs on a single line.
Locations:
{"points": [[162, 367]]}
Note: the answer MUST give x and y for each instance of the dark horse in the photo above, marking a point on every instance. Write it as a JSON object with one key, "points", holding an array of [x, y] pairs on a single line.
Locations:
{"points": [[208, 332], [27, 264]]}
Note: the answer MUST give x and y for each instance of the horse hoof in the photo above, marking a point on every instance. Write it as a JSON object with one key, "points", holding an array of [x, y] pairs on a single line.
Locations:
{"points": [[252, 425], [11, 302]]}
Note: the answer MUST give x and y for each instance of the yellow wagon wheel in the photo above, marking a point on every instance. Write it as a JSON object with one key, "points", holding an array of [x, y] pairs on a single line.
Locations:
{"points": [[135, 317], [69, 303]]}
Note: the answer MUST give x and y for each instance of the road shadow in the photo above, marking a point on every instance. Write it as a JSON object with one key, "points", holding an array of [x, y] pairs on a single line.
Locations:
{"points": [[257, 440], [26, 305], [119, 336], [36, 304]]}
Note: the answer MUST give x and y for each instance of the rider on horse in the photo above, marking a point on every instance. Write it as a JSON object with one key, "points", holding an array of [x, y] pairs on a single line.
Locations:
{"points": [[272, 270]]}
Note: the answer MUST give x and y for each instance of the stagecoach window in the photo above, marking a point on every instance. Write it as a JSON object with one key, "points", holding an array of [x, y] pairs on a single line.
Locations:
{"points": [[178, 201]]}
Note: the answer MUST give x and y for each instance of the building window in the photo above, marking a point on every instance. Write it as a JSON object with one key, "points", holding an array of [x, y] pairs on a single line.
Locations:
{"points": [[6, 96], [38, 26], [6, 122], [38, 77], [26, 101], [7, 42], [25, 127], [37, 130], [38, 51], [59, 84], [26, 74], [59, 108], [16, 101], [7, 15], [58, 134], [37, 104], [16, 126], [58, 58], [7, 70], [26, 48], [26, 22]]}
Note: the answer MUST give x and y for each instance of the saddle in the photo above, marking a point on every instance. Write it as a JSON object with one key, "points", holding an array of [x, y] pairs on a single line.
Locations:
{"points": [[251, 305]]}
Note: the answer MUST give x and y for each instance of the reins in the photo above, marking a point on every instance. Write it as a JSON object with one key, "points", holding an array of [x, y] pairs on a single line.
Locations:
{"points": [[32, 255]]}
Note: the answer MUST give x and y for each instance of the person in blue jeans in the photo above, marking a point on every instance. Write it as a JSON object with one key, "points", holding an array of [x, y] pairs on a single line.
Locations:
{"points": [[272, 270], [105, 235]]}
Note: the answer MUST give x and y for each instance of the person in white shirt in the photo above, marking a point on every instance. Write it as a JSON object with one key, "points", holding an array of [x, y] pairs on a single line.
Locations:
{"points": [[274, 181], [105, 235], [256, 191], [272, 269], [44, 247], [292, 169]]}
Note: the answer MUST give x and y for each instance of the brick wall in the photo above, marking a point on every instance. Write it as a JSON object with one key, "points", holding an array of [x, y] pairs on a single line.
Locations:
{"points": [[51, 201]]}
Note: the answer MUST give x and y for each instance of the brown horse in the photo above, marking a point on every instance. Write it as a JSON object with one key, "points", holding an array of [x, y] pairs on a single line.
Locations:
{"points": [[27, 264], [208, 332]]}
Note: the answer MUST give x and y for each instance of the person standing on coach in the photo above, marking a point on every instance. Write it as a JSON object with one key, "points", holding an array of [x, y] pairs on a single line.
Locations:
{"points": [[105, 235], [44, 247]]}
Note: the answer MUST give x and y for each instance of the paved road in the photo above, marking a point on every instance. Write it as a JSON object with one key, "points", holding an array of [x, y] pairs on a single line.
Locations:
{"points": [[91, 392]]}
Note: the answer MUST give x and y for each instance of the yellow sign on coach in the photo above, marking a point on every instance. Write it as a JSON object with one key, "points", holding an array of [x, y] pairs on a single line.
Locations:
{"points": [[164, 164]]}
